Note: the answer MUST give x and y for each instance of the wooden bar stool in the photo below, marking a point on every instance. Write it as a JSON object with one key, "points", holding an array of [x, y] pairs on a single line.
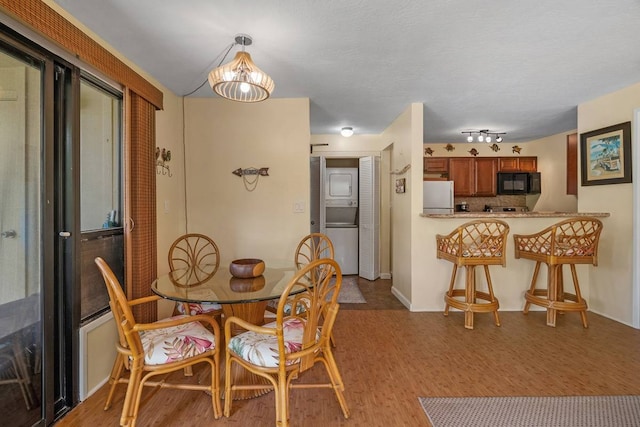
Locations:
{"points": [[474, 243], [572, 241]]}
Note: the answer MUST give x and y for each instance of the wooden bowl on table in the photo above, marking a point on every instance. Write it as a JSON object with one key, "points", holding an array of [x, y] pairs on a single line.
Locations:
{"points": [[246, 268]]}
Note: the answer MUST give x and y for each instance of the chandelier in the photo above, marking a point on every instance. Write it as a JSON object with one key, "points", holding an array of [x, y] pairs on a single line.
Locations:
{"points": [[483, 135], [241, 79]]}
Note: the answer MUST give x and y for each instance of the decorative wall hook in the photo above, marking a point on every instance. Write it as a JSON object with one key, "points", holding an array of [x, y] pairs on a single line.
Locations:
{"points": [[162, 161], [251, 184]]}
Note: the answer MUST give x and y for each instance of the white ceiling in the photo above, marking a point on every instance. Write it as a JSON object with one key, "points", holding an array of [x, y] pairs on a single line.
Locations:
{"points": [[515, 66]]}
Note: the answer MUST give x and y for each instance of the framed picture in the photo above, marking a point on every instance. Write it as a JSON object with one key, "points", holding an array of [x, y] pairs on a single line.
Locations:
{"points": [[400, 185], [606, 155]]}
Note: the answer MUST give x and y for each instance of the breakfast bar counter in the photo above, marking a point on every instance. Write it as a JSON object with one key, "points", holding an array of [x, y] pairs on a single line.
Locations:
{"points": [[425, 289], [517, 214]]}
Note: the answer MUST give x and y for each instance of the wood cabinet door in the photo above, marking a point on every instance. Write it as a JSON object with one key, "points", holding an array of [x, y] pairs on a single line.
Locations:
{"points": [[528, 164], [436, 164], [461, 172], [507, 164], [486, 170]]}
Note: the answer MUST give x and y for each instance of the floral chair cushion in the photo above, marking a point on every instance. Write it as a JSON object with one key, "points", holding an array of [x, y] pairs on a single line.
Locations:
{"points": [[176, 343], [199, 308], [262, 350]]}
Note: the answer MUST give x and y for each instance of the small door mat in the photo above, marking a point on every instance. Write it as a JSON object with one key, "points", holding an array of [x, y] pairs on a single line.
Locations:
{"points": [[349, 291], [552, 411]]}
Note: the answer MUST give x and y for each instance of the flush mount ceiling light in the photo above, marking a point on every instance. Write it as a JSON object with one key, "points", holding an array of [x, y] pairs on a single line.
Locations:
{"points": [[346, 132], [483, 135], [241, 80]]}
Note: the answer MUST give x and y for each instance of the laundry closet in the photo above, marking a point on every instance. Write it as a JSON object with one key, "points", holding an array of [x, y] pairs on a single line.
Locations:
{"points": [[345, 205]]}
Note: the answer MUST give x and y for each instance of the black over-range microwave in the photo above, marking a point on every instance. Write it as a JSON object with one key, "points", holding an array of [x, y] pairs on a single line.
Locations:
{"points": [[519, 183]]}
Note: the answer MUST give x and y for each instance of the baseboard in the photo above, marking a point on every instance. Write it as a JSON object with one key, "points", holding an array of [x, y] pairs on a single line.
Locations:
{"points": [[401, 297], [386, 276]]}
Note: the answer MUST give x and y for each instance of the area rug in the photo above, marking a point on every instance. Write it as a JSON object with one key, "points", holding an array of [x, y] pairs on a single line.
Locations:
{"points": [[562, 411], [349, 291]]}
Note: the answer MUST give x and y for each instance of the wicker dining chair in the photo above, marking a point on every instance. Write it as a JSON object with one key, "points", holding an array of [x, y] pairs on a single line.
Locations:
{"points": [[150, 349], [475, 243], [311, 247], [282, 350], [196, 250], [572, 241]]}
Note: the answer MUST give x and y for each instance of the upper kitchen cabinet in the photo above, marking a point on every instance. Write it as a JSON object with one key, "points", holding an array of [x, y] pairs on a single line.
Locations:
{"points": [[436, 168], [462, 173], [517, 164], [473, 176], [486, 169], [436, 164]]}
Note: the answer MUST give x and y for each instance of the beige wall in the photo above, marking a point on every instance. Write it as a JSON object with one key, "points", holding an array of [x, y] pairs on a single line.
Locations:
{"points": [[404, 139], [611, 284], [222, 136]]}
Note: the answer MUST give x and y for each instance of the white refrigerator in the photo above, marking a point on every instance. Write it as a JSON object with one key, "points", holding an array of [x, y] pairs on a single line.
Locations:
{"points": [[437, 197]]}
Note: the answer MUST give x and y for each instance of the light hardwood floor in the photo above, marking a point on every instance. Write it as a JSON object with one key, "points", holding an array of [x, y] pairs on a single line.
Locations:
{"points": [[389, 357]]}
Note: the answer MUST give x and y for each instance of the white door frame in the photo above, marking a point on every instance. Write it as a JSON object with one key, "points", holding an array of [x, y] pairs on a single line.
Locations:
{"points": [[635, 170]]}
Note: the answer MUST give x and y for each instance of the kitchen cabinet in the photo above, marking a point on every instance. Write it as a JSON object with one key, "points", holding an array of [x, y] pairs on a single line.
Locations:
{"points": [[461, 172], [436, 164], [486, 170], [517, 164], [473, 176]]}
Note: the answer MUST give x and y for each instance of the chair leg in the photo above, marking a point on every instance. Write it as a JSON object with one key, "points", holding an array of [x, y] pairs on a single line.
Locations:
{"points": [[282, 411], [470, 295], [116, 372], [228, 397], [451, 284], [129, 407], [215, 386], [496, 318], [576, 285], [532, 288], [552, 294], [336, 381]]}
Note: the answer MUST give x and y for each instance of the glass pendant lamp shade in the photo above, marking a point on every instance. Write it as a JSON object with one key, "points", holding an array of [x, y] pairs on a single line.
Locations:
{"points": [[241, 80]]}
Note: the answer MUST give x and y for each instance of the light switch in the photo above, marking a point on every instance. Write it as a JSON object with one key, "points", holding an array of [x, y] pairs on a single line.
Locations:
{"points": [[298, 207]]}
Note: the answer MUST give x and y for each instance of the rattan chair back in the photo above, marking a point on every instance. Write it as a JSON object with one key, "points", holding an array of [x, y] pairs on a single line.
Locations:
{"points": [[195, 251]]}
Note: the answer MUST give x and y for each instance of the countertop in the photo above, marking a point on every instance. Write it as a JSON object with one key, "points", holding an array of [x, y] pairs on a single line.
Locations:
{"points": [[517, 214]]}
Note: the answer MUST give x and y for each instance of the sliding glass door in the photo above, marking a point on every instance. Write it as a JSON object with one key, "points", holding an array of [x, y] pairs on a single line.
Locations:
{"points": [[21, 230]]}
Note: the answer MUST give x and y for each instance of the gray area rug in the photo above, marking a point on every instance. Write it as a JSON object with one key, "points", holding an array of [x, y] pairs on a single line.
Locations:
{"points": [[349, 291], [563, 411]]}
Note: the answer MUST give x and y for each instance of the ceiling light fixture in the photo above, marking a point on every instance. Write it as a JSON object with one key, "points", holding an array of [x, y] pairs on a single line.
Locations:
{"points": [[483, 135], [241, 80], [346, 132]]}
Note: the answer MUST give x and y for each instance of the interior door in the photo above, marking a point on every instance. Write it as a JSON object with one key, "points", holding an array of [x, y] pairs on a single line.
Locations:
{"points": [[369, 218]]}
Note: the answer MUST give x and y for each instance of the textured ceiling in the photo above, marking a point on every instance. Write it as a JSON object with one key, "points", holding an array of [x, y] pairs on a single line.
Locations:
{"points": [[515, 66]]}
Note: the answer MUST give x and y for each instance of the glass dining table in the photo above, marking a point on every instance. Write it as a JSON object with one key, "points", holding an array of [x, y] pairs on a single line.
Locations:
{"points": [[243, 298]]}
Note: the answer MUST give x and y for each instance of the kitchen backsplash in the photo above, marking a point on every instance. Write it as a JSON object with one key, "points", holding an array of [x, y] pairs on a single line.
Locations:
{"points": [[477, 204]]}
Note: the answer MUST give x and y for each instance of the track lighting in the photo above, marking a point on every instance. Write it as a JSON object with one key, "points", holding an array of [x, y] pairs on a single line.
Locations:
{"points": [[483, 135]]}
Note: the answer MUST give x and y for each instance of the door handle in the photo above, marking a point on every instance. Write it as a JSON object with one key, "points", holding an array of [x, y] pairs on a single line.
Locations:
{"points": [[64, 234], [9, 234]]}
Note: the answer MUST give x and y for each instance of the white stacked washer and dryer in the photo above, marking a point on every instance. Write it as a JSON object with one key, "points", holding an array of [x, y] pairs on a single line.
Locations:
{"points": [[341, 215]]}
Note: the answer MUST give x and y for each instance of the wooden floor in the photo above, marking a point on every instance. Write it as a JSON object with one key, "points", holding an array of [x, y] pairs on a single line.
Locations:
{"points": [[389, 357]]}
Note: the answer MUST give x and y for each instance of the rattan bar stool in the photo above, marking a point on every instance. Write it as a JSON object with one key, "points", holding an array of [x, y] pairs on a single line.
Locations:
{"points": [[572, 241], [480, 242]]}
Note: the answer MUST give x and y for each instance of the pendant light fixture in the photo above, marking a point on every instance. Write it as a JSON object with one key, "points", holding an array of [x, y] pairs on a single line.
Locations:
{"points": [[241, 80]]}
